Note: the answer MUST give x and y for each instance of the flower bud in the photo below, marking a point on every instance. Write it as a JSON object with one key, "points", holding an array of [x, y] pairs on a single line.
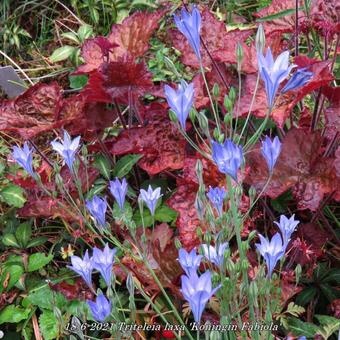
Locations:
{"points": [[207, 237], [192, 115], [216, 90], [298, 271], [130, 285], [216, 134], [232, 94], [173, 116], [200, 209], [227, 119], [202, 121], [199, 168], [252, 194], [239, 56], [253, 292], [228, 104], [178, 243], [221, 138], [260, 40], [244, 264]]}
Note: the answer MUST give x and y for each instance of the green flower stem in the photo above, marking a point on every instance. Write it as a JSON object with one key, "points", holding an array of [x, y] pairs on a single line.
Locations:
{"points": [[237, 224], [239, 99], [258, 197], [250, 107], [210, 98]]}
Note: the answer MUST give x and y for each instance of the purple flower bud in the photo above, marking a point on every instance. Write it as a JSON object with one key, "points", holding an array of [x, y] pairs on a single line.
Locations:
{"points": [[287, 227], [271, 251], [190, 262], [215, 254], [216, 197], [298, 79], [151, 198], [23, 156], [273, 73], [180, 101], [228, 157], [83, 267], [100, 309], [118, 190], [97, 208], [271, 151], [67, 149], [103, 261], [190, 25], [198, 291]]}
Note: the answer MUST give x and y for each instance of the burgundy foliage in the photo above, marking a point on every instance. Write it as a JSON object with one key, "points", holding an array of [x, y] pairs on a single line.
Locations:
{"points": [[300, 167]]}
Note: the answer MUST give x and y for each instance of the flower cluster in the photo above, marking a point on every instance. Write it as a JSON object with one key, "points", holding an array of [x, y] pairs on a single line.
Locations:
{"points": [[197, 290], [101, 260]]}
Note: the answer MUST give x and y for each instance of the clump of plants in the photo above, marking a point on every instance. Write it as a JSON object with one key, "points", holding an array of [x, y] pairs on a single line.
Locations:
{"points": [[197, 202]]}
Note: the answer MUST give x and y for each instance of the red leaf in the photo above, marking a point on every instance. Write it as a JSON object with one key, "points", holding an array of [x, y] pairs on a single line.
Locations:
{"points": [[33, 112], [284, 24], [94, 52], [130, 38], [300, 167], [159, 141], [133, 34], [76, 291], [161, 255], [183, 201], [332, 113], [215, 37]]}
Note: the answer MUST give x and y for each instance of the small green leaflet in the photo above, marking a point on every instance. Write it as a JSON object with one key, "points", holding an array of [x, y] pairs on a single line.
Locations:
{"points": [[125, 164], [278, 15], [13, 195]]}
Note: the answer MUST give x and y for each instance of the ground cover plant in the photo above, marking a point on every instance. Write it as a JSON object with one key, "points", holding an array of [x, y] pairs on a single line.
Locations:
{"points": [[170, 170]]}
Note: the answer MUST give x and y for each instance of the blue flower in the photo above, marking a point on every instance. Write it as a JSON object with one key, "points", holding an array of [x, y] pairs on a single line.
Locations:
{"points": [[197, 291], [24, 158], [271, 251], [215, 254], [190, 262], [151, 198], [271, 151], [103, 261], [97, 208], [273, 73], [180, 101], [298, 79], [190, 26], [216, 197], [100, 309], [67, 149], [118, 190], [287, 227], [302, 338], [228, 157], [83, 267]]}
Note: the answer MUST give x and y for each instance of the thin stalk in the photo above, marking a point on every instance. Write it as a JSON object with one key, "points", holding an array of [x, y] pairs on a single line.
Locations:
{"points": [[251, 106], [210, 98]]}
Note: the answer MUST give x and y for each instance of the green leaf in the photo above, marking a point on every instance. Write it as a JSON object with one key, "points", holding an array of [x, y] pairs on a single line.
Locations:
{"points": [[305, 296], [78, 82], [162, 214], [329, 325], [13, 195], [38, 260], [277, 15], [37, 241], [14, 273], [103, 165], [10, 240], [71, 36], [48, 325], [300, 328], [13, 314], [125, 164], [333, 275], [24, 233], [44, 298], [85, 32], [62, 53]]}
